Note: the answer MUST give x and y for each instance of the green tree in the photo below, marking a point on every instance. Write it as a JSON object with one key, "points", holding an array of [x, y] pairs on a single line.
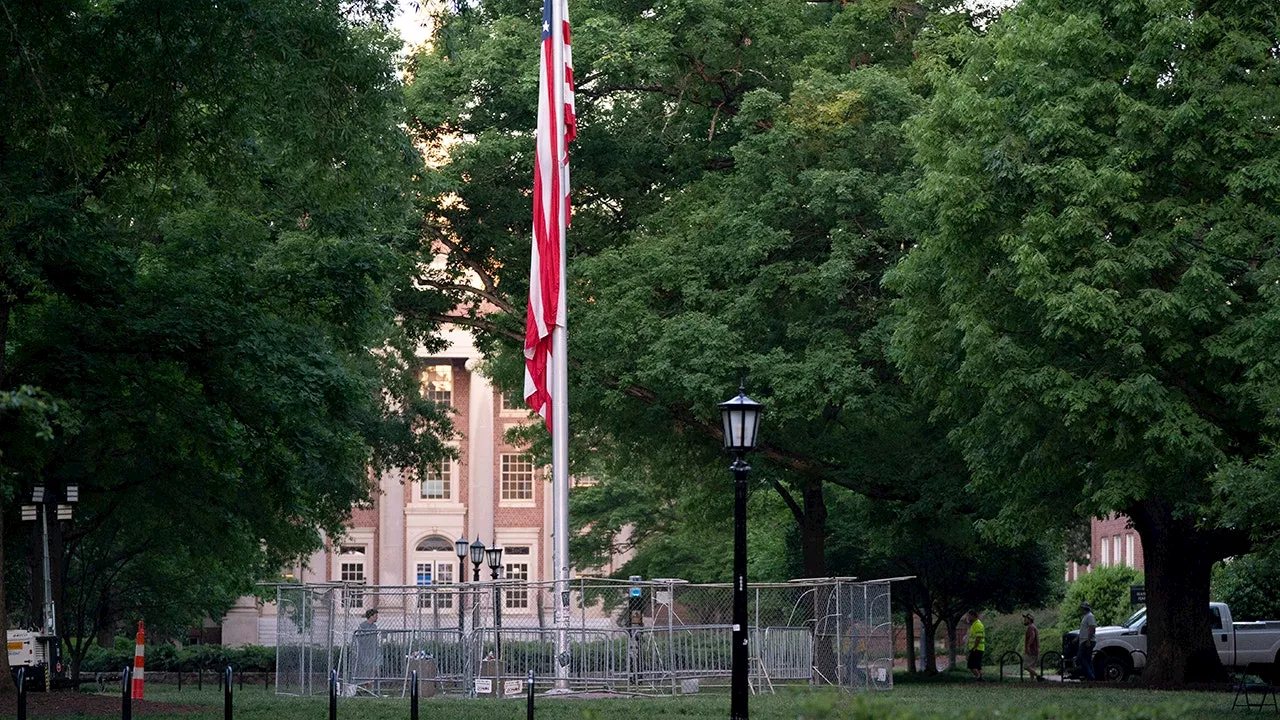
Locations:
{"points": [[1092, 297], [1250, 586], [729, 172], [207, 253]]}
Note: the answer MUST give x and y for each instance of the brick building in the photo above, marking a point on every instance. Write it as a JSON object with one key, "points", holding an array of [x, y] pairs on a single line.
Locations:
{"points": [[491, 491], [1111, 542]]}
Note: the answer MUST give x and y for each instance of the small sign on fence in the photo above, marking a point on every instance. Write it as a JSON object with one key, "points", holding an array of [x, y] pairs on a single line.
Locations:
{"points": [[512, 687], [484, 686]]}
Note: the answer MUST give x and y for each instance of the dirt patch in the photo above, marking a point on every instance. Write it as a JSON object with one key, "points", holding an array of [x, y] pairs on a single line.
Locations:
{"points": [[69, 703]]}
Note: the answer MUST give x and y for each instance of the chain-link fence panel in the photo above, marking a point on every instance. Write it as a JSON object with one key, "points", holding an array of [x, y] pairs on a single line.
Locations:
{"points": [[663, 636]]}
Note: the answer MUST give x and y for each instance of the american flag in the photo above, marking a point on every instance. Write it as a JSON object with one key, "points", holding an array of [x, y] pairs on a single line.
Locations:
{"points": [[556, 129]]}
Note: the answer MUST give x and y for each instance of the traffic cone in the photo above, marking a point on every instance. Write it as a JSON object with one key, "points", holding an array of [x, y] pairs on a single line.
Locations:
{"points": [[137, 663]]}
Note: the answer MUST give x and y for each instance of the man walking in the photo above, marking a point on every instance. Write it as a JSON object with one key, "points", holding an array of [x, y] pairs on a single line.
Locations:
{"points": [[1088, 629], [977, 644], [1031, 647]]}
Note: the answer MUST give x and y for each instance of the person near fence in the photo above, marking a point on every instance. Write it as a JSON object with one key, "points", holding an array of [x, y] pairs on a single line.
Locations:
{"points": [[1031, 647], [366, 643], [977, 643], [1088, 629]]}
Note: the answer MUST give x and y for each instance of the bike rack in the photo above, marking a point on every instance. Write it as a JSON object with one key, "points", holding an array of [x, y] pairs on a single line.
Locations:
{"points": [[1053, 656], [1017, 656]]}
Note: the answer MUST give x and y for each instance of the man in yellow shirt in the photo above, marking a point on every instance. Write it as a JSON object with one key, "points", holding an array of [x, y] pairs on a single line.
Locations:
{"points": [[977, 643]]}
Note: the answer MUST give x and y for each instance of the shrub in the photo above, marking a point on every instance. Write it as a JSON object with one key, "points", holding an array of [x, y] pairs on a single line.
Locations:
{"points": [[253, 658], [1006, 632], [1106, 589]]}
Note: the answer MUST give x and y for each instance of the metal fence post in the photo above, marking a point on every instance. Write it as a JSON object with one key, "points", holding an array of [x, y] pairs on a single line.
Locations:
{"points": [[413, 696], [22, 693], [226, 694], [126, 697], [529, 693], [333, 695]]}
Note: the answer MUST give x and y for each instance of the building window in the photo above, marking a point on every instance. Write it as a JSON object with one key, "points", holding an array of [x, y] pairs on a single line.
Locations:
{"points": [[584, 481], [510, 403], [1117, 550], [435, 543], [1106, 556], [437, 384], [438, 482], [517, 598], [351, 570], [1128, 546], [517, 477]]}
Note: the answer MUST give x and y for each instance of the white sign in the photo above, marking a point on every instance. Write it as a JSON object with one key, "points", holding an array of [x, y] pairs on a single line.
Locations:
{"points": [[512, 687], [881, 674], [484, 686]]}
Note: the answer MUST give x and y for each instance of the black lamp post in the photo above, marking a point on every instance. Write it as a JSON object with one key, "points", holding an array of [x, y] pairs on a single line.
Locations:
{"points": [[741, 419], [477, 558], [493, 557], [462, 547]]}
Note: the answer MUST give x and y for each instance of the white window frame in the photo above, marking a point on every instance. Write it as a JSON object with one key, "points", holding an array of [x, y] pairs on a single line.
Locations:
{"points": [[445, 397], [1106, 554], [445, 480], [516, 597], [503, 482]]}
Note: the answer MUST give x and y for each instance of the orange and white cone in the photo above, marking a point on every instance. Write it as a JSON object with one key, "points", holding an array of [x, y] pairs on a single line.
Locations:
{"points": [[137, 663]]}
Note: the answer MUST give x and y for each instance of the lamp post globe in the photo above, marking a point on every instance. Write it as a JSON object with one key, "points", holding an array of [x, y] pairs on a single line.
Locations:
{"points": [[740, 419], [493, 558], [477, 557]]}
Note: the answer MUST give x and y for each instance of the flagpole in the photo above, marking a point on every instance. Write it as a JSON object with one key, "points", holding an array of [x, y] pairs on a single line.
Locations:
{"points": [[560, 377], [560, 493]]}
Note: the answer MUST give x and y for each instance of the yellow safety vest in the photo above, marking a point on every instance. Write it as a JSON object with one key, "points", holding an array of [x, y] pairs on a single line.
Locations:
{"points": [[977, 636]]}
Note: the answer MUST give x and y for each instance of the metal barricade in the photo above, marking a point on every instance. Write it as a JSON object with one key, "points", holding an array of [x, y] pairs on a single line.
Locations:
{"points": [[660, 636]]}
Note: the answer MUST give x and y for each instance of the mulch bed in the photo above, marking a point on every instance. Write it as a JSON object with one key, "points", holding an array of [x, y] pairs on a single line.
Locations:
{"points": [[69, 703]]}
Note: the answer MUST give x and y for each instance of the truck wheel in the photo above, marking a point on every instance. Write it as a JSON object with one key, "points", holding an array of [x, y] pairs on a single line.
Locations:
{"points": [[1114, 668]]}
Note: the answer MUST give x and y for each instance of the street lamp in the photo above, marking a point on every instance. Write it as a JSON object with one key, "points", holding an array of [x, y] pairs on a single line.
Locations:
{"points": [[477, 558], [493, 557], [741, 420], [461, 546]]}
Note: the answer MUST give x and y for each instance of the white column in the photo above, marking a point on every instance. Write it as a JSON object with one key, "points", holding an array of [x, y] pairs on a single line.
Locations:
{"points": [[480, 442], [391, 543]]}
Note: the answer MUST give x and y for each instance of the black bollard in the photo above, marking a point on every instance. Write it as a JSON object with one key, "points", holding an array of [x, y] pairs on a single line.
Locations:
{"points": [[22, 694], [333, 695], [226, 694], [179, 678], [126, 698], [199, 678], [241, 679], [413, 696], [529, 693]]}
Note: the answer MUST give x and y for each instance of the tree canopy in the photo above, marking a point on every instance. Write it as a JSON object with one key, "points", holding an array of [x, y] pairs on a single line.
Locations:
{"points": [[207, 245], [1092, 296]]}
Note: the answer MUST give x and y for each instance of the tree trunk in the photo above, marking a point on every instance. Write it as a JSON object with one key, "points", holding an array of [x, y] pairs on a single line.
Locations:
{"points": [[929, 628], [813, 528], [1178, 560], [911, 643], [952, 624], [6, 679]]}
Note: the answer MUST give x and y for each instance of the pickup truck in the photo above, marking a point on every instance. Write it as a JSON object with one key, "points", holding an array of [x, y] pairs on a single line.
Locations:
{"points": [[1121, 650]]}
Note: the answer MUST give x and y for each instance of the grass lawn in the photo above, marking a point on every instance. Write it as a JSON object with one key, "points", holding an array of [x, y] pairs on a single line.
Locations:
{"points": [[950, 697]]}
